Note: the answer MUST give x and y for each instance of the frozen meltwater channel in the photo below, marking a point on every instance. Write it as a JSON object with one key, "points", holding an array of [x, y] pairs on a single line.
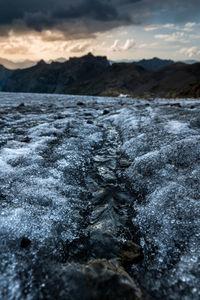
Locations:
{"points": [[49, 145]]}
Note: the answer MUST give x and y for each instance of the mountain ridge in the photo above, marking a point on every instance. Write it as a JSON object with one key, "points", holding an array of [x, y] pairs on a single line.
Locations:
{"points": [[94, 75]]}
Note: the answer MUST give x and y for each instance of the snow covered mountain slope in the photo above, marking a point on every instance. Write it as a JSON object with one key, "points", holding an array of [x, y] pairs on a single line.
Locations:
{"points": [[86, 179]]}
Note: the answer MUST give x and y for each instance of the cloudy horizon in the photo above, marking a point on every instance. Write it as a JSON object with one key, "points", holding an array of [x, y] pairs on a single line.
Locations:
{"points": [[131, 29]]}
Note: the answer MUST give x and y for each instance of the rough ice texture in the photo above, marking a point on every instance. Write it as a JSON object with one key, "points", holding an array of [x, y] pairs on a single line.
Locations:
{"points": [[45, 163], [163, 143]]}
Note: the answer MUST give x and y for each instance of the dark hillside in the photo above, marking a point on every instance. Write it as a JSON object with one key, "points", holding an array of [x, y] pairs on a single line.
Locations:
{"points": [[94, 75]]}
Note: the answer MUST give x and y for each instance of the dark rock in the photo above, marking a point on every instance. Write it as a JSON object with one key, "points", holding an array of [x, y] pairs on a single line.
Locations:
{"points": [[2, 196], [25, 140], [79, 103], [59, 117], [131, 253], [94, 280], [90, 122], [105, 112], [78, 249], [107, 280], [108, 223], [124, 163], [103, 244], [175, 104], [25, 242], [21, 105]]}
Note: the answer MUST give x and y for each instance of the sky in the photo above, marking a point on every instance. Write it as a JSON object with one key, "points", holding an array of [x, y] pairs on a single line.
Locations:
{"points": [[119, 29]]}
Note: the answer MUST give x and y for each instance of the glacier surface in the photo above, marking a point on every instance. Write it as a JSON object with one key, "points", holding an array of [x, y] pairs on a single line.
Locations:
{"points": [[57, 151]]}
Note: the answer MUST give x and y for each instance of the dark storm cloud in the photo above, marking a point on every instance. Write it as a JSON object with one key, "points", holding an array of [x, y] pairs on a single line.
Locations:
{"points": [[88, 10], [83, 17]]}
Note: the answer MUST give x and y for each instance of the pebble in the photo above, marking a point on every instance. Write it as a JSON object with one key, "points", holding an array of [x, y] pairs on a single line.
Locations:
{"points": [[125, 163], [25, 242]]}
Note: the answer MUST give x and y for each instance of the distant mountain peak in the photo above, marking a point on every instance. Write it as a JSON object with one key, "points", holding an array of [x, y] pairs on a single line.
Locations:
{"points": [[41, 62], [155, 63], [89, 54], [9, 64]]}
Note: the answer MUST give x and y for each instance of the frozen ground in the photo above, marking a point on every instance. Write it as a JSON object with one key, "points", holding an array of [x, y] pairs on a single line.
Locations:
{"points": [[79, 172]]}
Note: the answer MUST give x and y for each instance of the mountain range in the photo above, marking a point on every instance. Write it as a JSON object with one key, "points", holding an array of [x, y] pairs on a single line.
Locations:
{"points": [[152, 64], [95, 75], [9, 64]]}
